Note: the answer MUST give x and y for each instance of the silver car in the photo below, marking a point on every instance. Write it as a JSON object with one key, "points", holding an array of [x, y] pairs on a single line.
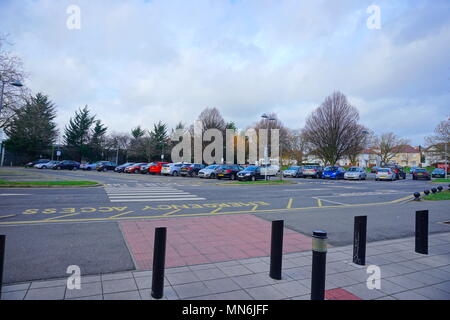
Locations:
{"points": [[385, 174], [208, 172], [171, 169], [355, 173], [47, 165]]}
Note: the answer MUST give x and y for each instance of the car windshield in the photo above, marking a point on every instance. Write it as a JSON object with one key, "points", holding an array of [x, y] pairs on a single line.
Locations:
{"points": [[439, 170], [421, 170], [311, 167], [293, 168], [251, 168], [212, 167], [331, 168], [384, 170], [354, 169]]}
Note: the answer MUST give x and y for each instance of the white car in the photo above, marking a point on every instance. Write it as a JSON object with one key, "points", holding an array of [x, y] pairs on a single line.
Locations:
{"points": [[355, 173], [208, 172], [385, 174], [46, 165], [271, 169]]}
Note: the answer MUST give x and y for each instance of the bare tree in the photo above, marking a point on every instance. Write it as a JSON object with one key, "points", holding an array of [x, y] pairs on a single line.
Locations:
{"points": [[436, 144], [361, 141], [332, 130], [296, 146], [212, 119], [11, 69], [388, 145]]}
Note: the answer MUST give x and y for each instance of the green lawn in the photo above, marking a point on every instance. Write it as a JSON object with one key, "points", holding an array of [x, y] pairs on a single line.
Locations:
{"points": [[441, 180], [444, 195], [46, 183]]}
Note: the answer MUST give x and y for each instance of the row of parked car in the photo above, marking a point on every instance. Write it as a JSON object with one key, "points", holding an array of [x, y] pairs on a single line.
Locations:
{"points": [[238, 172]]}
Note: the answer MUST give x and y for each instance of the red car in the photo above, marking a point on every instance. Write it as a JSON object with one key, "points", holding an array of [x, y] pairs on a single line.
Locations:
{"points": [[155, 167], [134, 168]]}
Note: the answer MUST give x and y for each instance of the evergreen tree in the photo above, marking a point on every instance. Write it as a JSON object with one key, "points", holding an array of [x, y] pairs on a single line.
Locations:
{"points": [[159, 139], [77, 134], [32, 130], [97, 141]]}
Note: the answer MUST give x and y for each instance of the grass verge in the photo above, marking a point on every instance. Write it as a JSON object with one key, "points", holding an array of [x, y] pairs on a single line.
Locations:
{"points": [[47, 183], [441, 180], [443, 195]]}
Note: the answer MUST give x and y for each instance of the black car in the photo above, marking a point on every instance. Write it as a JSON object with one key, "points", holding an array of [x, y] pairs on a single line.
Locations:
{"points": [[68, 165], [191, 169], [421, 174], [399, 172], [251, 173], [33, 163], [106, 165], [228, 171], [438, 173], [122, 167]]}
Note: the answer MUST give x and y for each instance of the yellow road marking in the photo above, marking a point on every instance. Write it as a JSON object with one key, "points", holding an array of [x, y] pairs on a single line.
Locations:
{"points": [[216, 210], [253, 210], [289, 206], [11, 215], [120, 214], [171, 212], [67, 215], [319, 202]]}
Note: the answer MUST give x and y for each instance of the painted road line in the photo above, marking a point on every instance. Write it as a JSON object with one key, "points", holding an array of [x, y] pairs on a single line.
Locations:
{"points": [[289, 205], [171, 212], [13, 194], [149, 195], [151, 200], [216, 210], [8, 216], [120, 214], [319, 202], [67, 215], [331, 201]]}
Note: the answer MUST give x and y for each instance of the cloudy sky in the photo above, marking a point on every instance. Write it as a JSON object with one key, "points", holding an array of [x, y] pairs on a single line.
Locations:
{"points": [[136, 62]]}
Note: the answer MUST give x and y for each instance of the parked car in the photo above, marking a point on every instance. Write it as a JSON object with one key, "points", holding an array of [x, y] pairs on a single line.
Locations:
{"points": [[46, 165], [438, 173], [144, 168], [312, 171], [35, 162], [294, 172], [357, 173], [134, 168], [106, 165], [333, 173], [208, 172], [122, 167], [172, 169], [412, 169], [271, 169], [228, 171], [421, 174], [374, 169], [156, 167], [399, 172], [88, 166], [385, 174], [251, 173], [191, 169], [67, 165]]}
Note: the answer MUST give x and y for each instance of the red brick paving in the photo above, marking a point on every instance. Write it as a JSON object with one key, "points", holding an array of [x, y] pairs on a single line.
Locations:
{"points": [[340, 294], [199, 240]]}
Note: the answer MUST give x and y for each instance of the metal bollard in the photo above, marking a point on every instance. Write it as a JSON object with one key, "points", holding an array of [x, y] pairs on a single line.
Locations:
{"points": [[359, 240], [2, 260], [276, 249], [422, 232], [159, 259], [319, 249]]}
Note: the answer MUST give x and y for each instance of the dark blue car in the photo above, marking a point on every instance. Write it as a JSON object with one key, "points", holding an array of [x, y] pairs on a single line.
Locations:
{"points": [[333, 173]]}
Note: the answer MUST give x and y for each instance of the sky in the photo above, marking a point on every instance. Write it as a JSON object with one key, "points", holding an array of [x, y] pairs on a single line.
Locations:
{"points": [[136, 62]]}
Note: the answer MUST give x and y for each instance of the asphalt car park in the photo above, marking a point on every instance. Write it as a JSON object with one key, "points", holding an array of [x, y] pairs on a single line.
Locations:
{"points": [[80, 223]]}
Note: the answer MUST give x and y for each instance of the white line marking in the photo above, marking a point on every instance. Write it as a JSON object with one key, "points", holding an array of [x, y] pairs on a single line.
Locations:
{"points": [[148, 200]]}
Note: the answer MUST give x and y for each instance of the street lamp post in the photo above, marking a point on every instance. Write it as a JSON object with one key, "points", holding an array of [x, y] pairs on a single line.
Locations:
{"points": [[266, 149], [2, 91]]}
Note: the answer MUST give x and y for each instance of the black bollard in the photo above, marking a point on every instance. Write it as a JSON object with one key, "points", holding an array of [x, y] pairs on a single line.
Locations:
{"points": [[422, 231], [276, 249], [2, 260], [359, 240], [159, 259], [319, 249]]}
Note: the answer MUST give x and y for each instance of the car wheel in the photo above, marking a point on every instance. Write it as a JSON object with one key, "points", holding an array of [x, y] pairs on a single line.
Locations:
{"points": [[212, 176]]}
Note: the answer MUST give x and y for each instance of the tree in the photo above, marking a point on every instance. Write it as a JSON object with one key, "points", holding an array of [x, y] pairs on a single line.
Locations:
{"points": [[295, 147], [159, 139], [11, 69], [332, 130], [138, 132], [32, 131], [361, 142], [387, 146], [77, 134], [436, 143], [97, 141]]}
